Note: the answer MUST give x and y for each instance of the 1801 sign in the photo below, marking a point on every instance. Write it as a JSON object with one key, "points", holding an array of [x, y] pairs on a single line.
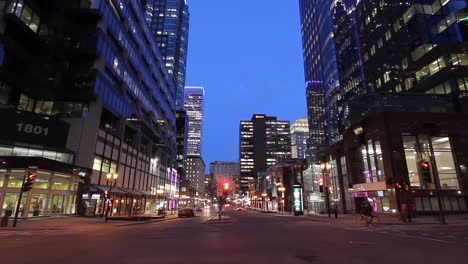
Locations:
{"points": [[32, 129]]}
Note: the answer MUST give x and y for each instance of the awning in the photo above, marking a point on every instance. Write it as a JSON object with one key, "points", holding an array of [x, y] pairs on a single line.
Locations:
{"points": [[131, 191], [106, 188], [120, 190], [146, 193]]}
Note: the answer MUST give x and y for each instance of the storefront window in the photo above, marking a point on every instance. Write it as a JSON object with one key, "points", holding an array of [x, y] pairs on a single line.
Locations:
{"points": [[427, 157], [15, 181], [2, 180], [372, 162], [74, 186], [42, 183], [71, 208], [10, 203], [335, 190], [59, 184], [56, 204], [38, 201], [445, 164]]}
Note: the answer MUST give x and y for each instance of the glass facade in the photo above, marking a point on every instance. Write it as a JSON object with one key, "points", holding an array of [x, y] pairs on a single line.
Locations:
{"points": [[321, 71], [52, 193], [438, 154], [169, 24]]}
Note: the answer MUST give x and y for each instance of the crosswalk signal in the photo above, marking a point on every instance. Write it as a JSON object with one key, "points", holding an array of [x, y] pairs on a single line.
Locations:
{"points": [[30, 179]]}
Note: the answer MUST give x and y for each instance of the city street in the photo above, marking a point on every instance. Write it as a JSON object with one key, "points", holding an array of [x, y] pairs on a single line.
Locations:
{"points": [[246, 237]]}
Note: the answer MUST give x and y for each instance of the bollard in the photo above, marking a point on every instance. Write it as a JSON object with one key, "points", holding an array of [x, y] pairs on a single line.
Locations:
{"points": [[4, 221]]}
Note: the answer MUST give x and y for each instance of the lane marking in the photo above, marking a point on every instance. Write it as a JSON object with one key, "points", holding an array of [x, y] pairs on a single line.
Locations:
{"points": [[423, 238]]}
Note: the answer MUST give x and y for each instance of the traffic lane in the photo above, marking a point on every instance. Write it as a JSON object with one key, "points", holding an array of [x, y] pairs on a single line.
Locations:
{"points": [[348, 244], [456, 233], [252, 238]]}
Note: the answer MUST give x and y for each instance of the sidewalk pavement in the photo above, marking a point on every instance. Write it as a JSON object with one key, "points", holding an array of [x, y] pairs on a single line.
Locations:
{"points": [[350, 219], [75, 223]]}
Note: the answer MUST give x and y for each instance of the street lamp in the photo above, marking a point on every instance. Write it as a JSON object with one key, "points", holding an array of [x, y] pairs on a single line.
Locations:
{"points": [[282, 189], [326, 167], [111, 178]]}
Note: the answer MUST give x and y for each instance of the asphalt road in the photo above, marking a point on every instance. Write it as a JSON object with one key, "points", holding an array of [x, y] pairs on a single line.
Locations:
{"points": [[248, 237]]}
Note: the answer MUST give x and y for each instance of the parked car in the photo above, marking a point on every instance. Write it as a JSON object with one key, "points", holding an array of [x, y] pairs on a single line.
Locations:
{"points": [[198, 209], [186, 212]]}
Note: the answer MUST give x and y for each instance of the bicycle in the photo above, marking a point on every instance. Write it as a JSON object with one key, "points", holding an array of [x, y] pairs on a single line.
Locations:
{"points": [[372, 219]]}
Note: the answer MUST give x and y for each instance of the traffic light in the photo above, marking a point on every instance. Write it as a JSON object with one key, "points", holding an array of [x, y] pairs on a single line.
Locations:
{"points": [[426, 171], [30, 179], [320, 182], [226, 188]]}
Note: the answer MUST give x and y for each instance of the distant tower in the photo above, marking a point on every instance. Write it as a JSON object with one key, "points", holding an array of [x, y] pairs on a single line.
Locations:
{"points": [[299, 134], [264, 140], [194, 102], [169, 25]]}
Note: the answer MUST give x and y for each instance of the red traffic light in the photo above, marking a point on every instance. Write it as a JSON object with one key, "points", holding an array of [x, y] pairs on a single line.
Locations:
{"points": [[320, 181], [32, 176], [425, 165]]}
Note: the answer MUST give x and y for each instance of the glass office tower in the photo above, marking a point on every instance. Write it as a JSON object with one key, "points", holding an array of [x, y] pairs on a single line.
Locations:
{"points": [[321, 71], [169, 25]]}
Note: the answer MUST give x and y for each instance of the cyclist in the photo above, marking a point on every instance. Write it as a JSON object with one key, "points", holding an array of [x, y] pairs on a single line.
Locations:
{"points": [[366, 211]]}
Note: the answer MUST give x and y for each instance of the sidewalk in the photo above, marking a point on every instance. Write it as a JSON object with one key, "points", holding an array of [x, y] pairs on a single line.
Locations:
{"points": [[75, 223], [459, 219]]}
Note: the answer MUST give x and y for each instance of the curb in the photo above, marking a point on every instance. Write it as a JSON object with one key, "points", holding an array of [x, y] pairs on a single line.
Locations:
{"points": [[147, 222]]}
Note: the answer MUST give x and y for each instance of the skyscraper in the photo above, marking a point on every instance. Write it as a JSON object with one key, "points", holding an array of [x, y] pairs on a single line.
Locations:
{"points": [[299, 134], [264, 140], [321, 72], [193, 105], [404, 72], [169, 25], [84, 110]]}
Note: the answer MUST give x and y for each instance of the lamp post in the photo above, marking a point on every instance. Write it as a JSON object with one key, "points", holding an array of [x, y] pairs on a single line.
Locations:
{"points": [[264, 195], [282, 189], [326, 167], [111, 178]]}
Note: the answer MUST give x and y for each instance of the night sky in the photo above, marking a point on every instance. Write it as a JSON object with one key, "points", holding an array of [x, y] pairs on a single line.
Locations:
{"points": [[248, 56]]}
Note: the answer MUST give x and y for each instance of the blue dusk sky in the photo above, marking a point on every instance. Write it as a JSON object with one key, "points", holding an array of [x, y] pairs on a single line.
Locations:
{"points": [[248, 56]]}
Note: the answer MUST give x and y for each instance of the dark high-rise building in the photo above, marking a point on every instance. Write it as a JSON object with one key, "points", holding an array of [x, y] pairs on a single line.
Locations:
{"points": [[404, 72], [79, 100], [264, 140], [169, 25], [181, 139], [321, 72]]}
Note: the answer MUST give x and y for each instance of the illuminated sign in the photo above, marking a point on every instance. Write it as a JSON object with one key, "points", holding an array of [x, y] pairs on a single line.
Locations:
{"points": [[297, 198], [259, 116]]}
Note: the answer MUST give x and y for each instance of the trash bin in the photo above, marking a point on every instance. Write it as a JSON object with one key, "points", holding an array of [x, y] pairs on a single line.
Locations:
{"points": [[4, 222]]}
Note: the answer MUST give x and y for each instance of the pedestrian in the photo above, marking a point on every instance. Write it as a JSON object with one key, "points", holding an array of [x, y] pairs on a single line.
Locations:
{"points": [[335, 210], [219, 213]]}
